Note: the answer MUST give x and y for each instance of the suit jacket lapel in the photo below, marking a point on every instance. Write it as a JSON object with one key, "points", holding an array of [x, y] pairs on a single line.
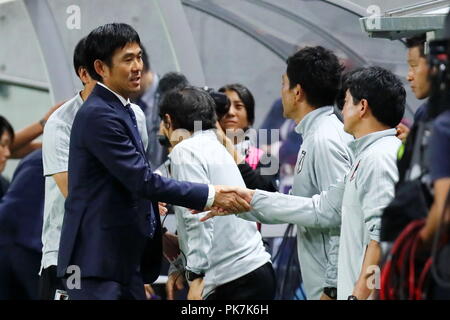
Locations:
{"points": [[114, 102]]}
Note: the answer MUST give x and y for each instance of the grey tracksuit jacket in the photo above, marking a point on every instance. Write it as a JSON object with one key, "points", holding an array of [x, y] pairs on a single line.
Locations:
{"points": [[323, 158]]}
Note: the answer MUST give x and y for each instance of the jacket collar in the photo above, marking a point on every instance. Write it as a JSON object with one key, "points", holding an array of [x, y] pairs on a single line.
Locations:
{"points": [[110, 96], [117, 102], [361, 144], [310, 121]]}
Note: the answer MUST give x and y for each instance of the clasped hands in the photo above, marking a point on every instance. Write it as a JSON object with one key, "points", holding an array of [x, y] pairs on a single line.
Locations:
{"points": [[228, 200]]}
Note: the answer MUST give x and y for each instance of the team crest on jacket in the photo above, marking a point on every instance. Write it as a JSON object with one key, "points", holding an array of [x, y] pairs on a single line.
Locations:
{"points": [[300, 161]]}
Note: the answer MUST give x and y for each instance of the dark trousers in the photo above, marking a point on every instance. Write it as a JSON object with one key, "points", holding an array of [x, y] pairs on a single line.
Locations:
{"points": [[19, 268], [49, 283], [101, 289], [256, 285]]}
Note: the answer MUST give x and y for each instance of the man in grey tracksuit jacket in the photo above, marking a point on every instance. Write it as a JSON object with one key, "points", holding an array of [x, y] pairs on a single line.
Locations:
{"points": [[310, 85], [323, 158]]}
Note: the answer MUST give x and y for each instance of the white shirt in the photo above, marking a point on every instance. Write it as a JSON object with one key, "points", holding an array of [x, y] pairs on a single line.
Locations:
{"points": [[55, 157], [224, 248]]}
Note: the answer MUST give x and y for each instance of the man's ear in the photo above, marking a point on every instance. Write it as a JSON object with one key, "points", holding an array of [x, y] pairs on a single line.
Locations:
{"points": [[101, 68], [167, 121], [298, 92], [363, 108], [84, 75]]}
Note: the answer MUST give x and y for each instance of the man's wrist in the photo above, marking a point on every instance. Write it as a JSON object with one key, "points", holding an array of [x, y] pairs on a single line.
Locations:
{"points": [[361, 291], [211, 196], [253, 194], [191, 276]]}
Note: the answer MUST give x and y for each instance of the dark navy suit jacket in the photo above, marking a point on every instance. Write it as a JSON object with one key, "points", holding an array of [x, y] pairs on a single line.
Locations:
{"points": [[421, 112], [112, 192], [22, 207]]}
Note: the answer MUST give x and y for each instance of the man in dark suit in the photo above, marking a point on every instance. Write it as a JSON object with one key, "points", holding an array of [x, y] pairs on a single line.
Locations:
{"points": [[111, 234], [21, 211]]}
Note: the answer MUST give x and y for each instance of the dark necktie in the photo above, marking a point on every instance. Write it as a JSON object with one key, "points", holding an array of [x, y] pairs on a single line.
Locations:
{"points": [[151, 216], [135, 127]]}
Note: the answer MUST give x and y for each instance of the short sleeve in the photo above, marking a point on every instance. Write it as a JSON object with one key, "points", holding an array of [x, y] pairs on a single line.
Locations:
{"points": [[55, 147]]}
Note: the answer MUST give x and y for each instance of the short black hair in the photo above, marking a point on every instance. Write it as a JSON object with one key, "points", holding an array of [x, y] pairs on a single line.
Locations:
{"points": [[79, 59], [383, 91], [417, 41], [145, 59], [246, 97], [318, 71], [5, 126], [103, 41], [172, 81], [187, 105], [340, 97]]}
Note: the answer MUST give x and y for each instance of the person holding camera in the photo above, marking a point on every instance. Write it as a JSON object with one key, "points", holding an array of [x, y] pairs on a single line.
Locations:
{"points": [[257, 168], [418, 78]]}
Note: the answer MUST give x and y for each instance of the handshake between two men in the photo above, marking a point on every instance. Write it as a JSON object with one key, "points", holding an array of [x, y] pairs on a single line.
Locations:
{"points": [[228, 200]]}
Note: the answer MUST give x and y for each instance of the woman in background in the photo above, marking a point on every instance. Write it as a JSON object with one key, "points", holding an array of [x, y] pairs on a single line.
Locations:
{"points": [[254, 165]]}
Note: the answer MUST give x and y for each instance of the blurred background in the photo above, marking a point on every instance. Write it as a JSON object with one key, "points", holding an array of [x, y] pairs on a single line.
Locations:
{"points": [[213, 42]]}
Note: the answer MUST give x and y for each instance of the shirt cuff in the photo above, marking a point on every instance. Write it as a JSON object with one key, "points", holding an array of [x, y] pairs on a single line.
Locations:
{"points": [[375, 230], [211, 196], [257, 197]]}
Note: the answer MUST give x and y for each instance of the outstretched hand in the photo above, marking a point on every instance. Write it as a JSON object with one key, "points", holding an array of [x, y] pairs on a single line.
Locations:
{"points": [[230, 200]]}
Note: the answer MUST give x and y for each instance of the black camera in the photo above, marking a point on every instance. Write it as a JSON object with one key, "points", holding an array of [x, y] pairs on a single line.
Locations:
{"points": [[221, 101], [438, 60]]}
